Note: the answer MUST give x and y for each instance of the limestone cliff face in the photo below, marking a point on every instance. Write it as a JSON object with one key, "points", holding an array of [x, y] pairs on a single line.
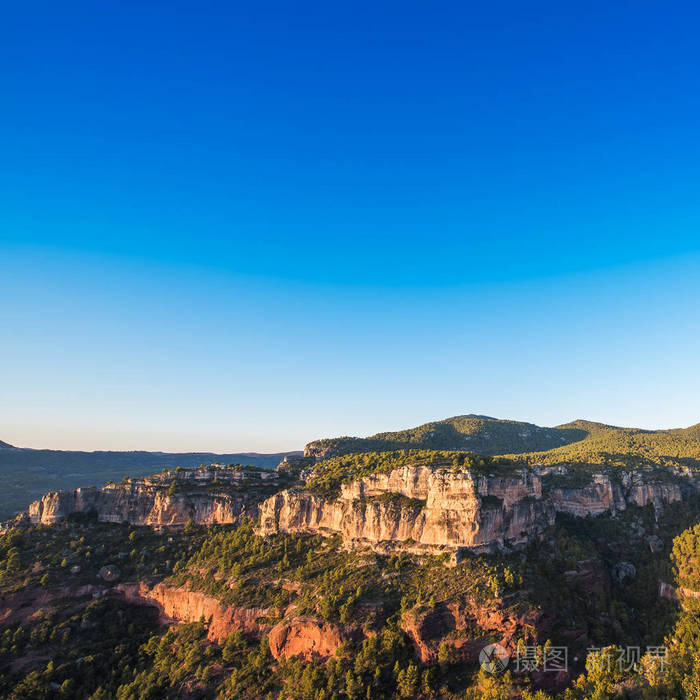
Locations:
{"points": [[433, 507], [206, 496], [447, 508], [319, 450], [414, 508], [603, 495]]}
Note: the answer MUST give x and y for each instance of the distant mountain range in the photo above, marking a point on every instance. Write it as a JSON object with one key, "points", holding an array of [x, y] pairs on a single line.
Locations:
{"points": [[26, 474]]}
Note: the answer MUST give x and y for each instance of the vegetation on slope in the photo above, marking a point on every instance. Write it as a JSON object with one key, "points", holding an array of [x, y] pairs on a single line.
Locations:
{"points": [[583, 442], [240, 568], [76, 647], [630, 447], [481, 434], [64, 644]]}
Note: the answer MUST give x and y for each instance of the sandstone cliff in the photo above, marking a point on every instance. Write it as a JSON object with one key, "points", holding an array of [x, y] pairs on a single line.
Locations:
{"points": [[205, 496], [429, 508], [184, 605], [415, 508], [309, 638], [305, 637]]}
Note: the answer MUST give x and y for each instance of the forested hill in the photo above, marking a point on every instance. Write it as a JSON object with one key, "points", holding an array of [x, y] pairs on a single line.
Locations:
{"points": [[5, 445], [630, 446], [481, 434], [579, 441]]}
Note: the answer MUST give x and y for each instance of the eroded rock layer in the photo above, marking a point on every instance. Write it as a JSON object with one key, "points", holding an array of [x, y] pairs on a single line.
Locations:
{"points": [[204, 496], [438, 507], [305, 637]]}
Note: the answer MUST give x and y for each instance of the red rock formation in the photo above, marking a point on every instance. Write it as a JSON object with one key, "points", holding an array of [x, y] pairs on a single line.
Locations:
{"points": [[306, 637], [469, 628], [309, 639], [184, 605]]}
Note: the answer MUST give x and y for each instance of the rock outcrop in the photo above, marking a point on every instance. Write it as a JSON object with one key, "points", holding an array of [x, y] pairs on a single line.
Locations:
{"points": [[467, 628], [309, 638], [415, 508], [603, 495], [429, 508], [184, 605], [305, 637], [205, 496]]}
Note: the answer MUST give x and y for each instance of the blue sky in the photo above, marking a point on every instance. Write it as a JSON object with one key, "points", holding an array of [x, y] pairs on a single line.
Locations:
{"points": [[242, 226]]}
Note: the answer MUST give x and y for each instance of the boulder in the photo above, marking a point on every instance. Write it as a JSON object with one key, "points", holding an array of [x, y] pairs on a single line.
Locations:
{"points": [[623, 572]]}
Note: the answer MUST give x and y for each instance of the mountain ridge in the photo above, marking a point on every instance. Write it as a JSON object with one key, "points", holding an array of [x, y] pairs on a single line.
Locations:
{"points": [[473, 432], [577, 441]]}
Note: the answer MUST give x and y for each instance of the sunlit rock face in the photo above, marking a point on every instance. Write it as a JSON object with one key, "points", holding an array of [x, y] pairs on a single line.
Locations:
{"points": [[436, 507], [309, 638], [427, 626], [205, 496], [415, 508], [184, 605], [603, 495], [305, 637]]}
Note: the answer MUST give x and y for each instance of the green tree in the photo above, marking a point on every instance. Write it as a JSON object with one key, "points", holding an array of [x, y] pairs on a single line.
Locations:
{"points": [[407, 681]]}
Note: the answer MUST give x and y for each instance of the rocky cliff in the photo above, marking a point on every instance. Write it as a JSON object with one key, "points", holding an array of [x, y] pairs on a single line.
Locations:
{"points": [[184, 605], [469, 627], [429, 507], [305, 637], [416, 508], [207, 495]]}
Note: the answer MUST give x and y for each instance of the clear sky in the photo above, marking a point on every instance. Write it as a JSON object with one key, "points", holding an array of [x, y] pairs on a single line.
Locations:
{"points": [[242, 226]]}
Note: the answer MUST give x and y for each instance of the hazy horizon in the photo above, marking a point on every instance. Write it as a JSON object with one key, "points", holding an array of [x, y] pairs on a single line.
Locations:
{"points": [[69, 447]]}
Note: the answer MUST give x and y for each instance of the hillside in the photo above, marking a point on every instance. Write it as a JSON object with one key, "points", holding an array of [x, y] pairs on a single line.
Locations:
{"points": [[283, 593], [581, 441], [5, 445], [375, 573], [481, 434], [27, 474], [606, 444]]}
